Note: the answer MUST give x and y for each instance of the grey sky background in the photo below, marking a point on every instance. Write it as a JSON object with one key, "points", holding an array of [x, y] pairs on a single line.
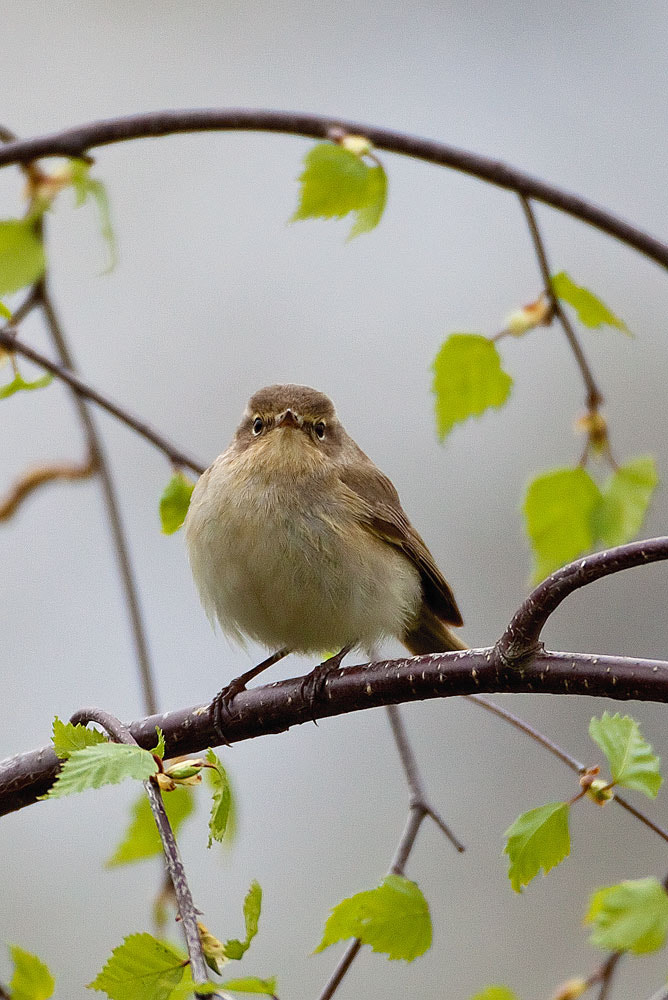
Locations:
{"points": [[215, 296]]}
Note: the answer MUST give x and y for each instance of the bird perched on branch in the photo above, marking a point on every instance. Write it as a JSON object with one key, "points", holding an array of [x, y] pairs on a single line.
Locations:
{"points": [[298, 541]]}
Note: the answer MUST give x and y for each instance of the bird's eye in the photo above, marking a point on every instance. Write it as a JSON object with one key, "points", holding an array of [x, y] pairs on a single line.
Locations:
{"points": [[258, 426], [320, 429]]}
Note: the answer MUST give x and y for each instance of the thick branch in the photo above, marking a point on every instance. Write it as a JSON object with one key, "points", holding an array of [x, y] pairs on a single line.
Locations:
{"points": [[77, 141], [9, 341], [277, 707]]}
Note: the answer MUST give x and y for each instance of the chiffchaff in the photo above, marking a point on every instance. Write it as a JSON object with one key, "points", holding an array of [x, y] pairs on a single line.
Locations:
{"points": [[298, 541]]}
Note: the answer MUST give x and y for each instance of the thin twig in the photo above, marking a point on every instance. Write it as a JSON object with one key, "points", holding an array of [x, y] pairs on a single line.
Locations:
{"points": [[186, 906], [42, 475], [594, 396], [111, 503], [78, 140], [607, 973], [177, 456], [418, 810]]}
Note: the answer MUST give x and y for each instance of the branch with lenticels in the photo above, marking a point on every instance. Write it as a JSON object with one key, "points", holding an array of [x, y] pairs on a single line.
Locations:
{"points": [[518, 662]]}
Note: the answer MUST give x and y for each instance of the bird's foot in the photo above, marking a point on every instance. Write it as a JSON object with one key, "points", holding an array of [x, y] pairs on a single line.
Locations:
{"points": [[314, 684], [221, 704]]}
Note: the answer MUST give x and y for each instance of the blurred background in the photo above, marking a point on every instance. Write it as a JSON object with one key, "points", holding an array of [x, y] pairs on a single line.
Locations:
{"points": [[214, 296]]}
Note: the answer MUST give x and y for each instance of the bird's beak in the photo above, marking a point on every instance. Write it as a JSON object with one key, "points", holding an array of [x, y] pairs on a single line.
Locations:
{"points": [[289, 419]]}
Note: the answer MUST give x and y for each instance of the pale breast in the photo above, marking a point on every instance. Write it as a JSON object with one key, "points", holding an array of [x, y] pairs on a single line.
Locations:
{"points": [[295, 567]]}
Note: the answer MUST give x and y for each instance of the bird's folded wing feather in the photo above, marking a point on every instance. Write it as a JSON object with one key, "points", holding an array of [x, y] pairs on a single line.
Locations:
{"points": [[385, 517]]}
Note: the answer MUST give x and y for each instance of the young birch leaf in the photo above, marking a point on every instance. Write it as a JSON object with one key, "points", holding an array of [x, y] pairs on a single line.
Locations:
{"points": [[537, 839], [559, 510], [5, 312], [142, 968], [468, 379], [591, 311], [19, 384], [495, 993], [393, 919], [159, 749], [631, 916], [222, 799], [103, 764], [251, 984], [336, 182], [68, 738], [626, 497], [174, 502], [141, 839], [86, 186], [31, 979], [632, 763], [22, 259], [234, 948]]}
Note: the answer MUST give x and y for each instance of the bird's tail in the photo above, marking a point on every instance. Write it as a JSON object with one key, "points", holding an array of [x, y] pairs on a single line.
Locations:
{"points": [[430, 634]]}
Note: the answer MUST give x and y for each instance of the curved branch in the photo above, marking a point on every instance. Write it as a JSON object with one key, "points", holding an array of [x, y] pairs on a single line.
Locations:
{"points": [[78, 140], [523, 633]]}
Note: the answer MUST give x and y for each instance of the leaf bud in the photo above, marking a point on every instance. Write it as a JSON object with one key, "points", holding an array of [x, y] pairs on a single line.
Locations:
{"points": [[538, 313], [571, 989]]}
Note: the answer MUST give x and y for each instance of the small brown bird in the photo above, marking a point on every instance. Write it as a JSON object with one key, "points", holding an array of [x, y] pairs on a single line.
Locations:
{"points": [[298, 541]]}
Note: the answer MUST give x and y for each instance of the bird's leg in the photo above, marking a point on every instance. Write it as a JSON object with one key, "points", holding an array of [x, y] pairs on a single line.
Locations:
{"points": [[314, 683], [220, 706]]}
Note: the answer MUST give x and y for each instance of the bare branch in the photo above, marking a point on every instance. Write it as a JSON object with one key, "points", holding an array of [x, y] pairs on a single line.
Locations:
{"points": [[9, 340], [42, 475], [77, 141]]}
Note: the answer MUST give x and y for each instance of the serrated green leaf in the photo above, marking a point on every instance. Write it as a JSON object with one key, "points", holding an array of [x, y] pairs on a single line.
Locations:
{"points": [[5, 312], [591, 311], [393, 919], [560, 509], [68, 738], [22, 259], [632, 763], [174, 502], [222, 799], [186, 988], [103, 764], [537, 839], [626, 497], [19, 384], [251, 984], [31, 979], [142, 968], [86, 186], [336, 182], [141, 839], [631, 916], [234, 948], [159, 749], [495, 993], [468, 379]]}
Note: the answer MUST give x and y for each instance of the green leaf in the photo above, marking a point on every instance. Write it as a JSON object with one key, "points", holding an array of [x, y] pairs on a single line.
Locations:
{"points": [[251, 984], [591, 311], [141, 839], [174, 502], [68, 738], [5, 312], [559, 510], [104, 764], [159, 749], [31, 979], [495, 993], [337, 182], [631, 916], [22, 259], [468, 379], [142, 968], [222, 799], [393, 919], [632, 763], [626, 497], [186, 988], [234, 948], [19, 384], [84, 187], [537, 839]]}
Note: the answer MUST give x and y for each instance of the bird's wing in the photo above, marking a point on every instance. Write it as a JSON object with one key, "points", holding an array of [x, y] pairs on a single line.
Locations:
{"points": [[384, 516]]}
